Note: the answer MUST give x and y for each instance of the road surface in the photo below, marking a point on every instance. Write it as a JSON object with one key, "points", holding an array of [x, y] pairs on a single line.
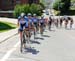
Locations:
{"points": [[55, 45]]}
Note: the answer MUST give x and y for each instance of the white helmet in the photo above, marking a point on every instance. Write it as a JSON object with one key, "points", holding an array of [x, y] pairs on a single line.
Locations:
{"points": [[29, 14], [22, 14], [34, 14]]}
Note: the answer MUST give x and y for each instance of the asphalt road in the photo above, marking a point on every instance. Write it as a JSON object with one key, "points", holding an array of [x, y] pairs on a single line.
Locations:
{"points": [[55, 45]]}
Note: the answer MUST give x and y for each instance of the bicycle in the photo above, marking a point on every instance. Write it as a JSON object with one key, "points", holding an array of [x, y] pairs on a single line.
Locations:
{"points": [[25, 38]]}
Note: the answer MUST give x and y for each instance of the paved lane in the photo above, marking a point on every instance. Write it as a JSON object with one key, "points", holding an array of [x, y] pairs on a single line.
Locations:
{"points": [[55, 45]]}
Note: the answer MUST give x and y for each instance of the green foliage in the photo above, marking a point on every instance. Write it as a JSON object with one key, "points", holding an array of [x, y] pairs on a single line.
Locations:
{"points": [[26, 8], [56, 4], [62, 5], [42, 5]]}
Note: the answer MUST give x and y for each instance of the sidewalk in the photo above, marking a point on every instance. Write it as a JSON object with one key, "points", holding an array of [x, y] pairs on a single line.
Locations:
{"points": [[6, 35], [11, 20]]}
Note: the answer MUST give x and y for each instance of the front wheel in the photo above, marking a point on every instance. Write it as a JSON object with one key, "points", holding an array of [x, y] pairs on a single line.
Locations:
{"points": [[21, 46], [23, 42], [41, 30]]}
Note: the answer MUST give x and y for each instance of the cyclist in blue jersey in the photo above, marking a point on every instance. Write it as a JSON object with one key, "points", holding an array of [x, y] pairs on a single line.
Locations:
{"points": [[21, 24], [30, 20], [35, 21], [29, 25], [41, 21], [41, 24]]}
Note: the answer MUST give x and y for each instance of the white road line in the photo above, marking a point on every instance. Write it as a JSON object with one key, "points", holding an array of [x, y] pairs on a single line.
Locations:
{"points": [[9, 52]]}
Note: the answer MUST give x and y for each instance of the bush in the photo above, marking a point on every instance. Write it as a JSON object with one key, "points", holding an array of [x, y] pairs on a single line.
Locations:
{"points": [[26, 8]]}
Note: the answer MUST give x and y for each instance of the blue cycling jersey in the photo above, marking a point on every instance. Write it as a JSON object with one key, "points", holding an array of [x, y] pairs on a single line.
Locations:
{"points": [[35, 20], [41, 20], [30, 20], [26, 24]]}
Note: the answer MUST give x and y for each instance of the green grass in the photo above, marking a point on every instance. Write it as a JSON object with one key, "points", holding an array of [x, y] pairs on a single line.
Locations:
{"points": [[5, 26]]}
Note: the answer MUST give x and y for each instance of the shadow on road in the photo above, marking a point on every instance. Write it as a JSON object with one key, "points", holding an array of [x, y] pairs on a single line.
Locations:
{"points": [[52, 30], [39, 38], [31, 50], [70, 28], [36, 42], [45, 36]]}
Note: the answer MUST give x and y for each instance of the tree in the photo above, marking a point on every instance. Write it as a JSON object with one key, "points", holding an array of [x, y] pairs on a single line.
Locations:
{"points": [[67, 4], [62, 5]]}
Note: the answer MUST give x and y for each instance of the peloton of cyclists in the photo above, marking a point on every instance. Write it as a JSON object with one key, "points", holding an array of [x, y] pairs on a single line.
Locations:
{"points": [[29, 23]]}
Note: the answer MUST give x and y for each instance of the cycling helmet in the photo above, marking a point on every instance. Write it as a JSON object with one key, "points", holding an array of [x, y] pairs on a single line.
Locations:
{"points": [[34, 14], [22, 14], [29, 14]]}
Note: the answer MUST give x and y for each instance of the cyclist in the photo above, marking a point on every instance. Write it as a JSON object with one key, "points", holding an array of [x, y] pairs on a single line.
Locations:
{"points": [[50, 23], [71, 21], [41, 24], [35, 21], [56, 22], [29, 25], [66, 21], [21, 24], [61, 21]]}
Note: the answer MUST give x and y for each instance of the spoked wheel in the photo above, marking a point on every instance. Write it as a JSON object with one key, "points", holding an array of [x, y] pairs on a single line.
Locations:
{"points": [[21, 45], [23, 42], [34, 35]]}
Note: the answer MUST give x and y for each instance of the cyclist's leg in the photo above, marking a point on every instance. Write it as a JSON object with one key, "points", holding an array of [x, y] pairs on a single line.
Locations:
{"points": [[35, 28], [41, 28], [21, 44], [49, 25], [26, 31], [66, 24], [20, 31], [38, 27], [27, 34]]}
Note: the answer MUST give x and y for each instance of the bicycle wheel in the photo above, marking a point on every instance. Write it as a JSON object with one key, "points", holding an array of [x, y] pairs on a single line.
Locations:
{"points": [[24, 39], [21, 45], [22, 42], [35, 33]]}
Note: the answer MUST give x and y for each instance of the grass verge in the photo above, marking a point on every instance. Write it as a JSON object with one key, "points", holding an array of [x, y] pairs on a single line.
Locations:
{"points": [[5, 26]]}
